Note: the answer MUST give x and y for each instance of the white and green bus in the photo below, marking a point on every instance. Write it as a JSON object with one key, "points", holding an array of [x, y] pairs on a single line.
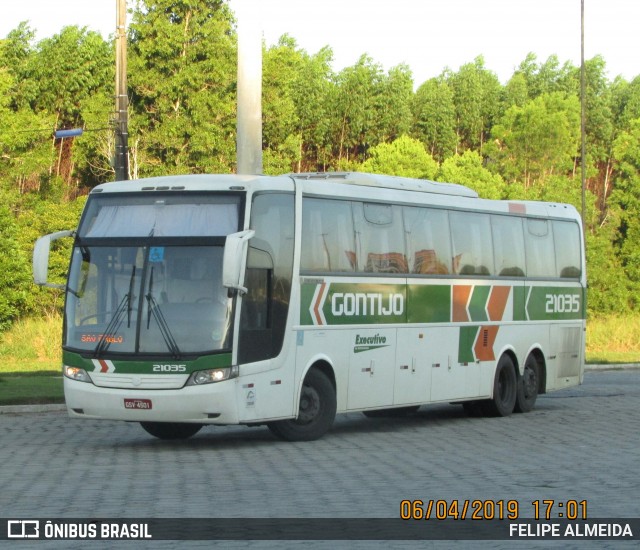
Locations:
{"points": [[226, 299]]}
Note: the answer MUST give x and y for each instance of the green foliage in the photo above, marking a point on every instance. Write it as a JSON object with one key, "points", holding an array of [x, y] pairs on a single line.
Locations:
{"points": [[24, 218], [476, 94], [626, 197], [30, 390], [404, 157], [182, 77], [467, 169], [434, 118], [613, 338], [532, 142], [67, 69], [14, 271], [520, 140]]}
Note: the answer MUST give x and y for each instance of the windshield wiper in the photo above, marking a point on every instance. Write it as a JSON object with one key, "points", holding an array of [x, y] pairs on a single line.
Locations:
{"points": [[153, 308], [116, 320]]}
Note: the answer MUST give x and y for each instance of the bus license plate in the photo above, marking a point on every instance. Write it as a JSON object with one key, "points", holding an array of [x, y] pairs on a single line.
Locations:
{"points": [[144, 404]]}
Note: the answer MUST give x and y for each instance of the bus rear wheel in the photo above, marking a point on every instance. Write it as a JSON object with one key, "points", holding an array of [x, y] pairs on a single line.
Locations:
{"points": [[528, 386], [171, 430], [316, 412], [505, 389]]}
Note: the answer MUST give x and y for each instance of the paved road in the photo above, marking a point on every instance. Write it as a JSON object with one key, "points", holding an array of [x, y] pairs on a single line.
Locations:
{"points": [[581, 443]]}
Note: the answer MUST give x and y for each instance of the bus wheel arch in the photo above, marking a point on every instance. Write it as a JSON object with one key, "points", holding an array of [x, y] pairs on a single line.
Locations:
{"points": [[317, 406], [532, 382]]}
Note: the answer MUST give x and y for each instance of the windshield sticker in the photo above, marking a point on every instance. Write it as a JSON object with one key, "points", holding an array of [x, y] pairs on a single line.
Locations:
{"points": [[156, 254]]}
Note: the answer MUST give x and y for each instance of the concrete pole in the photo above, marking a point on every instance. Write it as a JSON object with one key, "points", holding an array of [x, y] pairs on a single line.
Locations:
{"points": [[121, 160], [249, 119], [583, 120]]}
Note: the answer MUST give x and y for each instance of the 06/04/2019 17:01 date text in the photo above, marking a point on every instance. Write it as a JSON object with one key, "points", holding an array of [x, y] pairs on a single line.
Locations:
{"points": [[487, 509]]}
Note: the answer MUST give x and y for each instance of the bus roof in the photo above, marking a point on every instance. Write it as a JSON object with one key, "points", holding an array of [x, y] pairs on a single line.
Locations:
{"points": [[339, 184], [388, 182]]}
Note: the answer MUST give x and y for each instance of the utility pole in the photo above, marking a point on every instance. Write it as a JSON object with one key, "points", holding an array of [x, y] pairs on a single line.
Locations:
{"points": [[249, 119], [583, 118], [121, 160]]}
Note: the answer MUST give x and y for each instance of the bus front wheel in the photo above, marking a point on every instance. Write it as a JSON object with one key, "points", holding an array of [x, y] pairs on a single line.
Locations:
{"points": [[171, 430], [316, 412], [505, 389]]}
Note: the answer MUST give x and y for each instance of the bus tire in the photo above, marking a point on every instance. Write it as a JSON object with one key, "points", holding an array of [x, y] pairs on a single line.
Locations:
{"points": [[316, 412], [528, 385], [505, 389], [171, 430]]}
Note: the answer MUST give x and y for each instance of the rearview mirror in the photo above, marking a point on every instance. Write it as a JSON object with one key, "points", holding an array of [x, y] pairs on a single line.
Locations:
{"points": [[41, 258], [235, 248]]}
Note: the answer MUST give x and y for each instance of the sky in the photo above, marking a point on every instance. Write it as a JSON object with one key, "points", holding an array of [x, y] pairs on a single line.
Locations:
{"points": [[427, 35]]}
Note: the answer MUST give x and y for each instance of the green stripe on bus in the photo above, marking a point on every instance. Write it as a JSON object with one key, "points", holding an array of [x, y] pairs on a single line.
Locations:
{"points": [[122, 366], [468, 336], [478, 303], [429, 303]]}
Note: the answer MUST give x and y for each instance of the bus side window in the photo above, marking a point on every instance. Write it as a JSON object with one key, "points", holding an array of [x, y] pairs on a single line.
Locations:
{"points": [[472, 248], [379, 238], [539, 249], [327, 236], [508, 245], [567, 243], [428, 240], [257, 303]]}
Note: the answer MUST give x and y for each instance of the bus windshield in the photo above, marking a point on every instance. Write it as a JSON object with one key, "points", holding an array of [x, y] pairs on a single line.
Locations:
{"points": [[146, 277]]}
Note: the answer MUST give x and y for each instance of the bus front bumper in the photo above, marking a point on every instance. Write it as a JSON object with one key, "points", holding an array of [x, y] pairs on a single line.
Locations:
{"points": [[206, 404]]}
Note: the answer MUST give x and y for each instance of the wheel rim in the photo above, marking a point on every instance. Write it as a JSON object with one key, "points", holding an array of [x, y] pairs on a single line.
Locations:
{"points": [[309, 405]]}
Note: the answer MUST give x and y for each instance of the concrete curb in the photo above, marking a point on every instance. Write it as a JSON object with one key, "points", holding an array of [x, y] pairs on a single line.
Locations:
{"points": [[21, 409], [613, 366]]}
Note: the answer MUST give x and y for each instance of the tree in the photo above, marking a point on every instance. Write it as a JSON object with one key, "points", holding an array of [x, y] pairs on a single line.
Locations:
{"points": [[434, 118], [16, 53], [476, 94], [15, 273], [182, 78], [515, 92], [467, 169], [626, 197], [537, 140], [314, 93], [68, 68], [393, 105], [547, 77], [26, 153], [281, 65], [404, 157], [354, 111]]}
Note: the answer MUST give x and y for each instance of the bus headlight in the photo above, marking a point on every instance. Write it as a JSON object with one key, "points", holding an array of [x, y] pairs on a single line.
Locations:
{"points": [[76, 373], [210, 376]]}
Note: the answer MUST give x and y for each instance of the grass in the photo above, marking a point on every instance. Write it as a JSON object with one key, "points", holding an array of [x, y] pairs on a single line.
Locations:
{"points": [[613, 339], [30, 389], [30, 365], [31, 356], [32, 345]]}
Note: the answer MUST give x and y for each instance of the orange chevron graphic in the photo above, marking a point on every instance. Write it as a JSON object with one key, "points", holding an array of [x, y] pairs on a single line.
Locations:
{"points": [[498, 302], [318, 304], [459, 303], [484, 343]]}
